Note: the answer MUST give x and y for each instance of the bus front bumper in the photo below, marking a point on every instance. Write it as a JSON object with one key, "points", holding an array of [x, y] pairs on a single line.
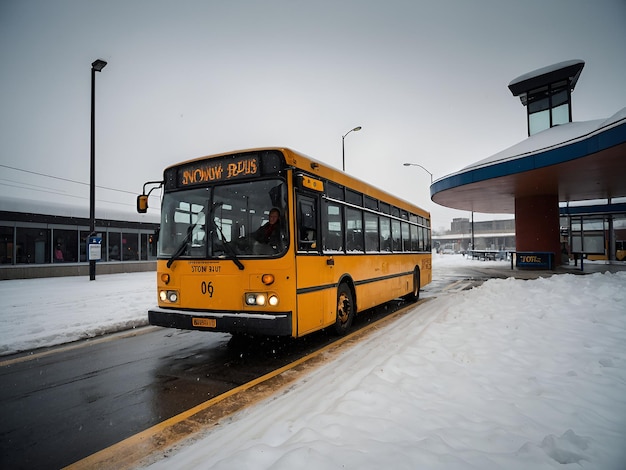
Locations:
{"points": [[270, 324]]}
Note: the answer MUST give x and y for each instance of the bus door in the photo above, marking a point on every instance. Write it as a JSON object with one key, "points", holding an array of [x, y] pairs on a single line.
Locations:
{"points": [[314, 272]]}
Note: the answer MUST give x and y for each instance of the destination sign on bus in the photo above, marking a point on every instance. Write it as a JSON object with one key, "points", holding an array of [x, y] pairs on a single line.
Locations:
{"points": [[213, 171]]}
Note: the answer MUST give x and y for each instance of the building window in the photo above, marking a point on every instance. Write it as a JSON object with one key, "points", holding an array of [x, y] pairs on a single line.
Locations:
{"points": [[6, 245], [539, 121], [548, 106], [560, 108], [33, 246], [148, 246], [115, 246], [130, 246], [65, 246]]}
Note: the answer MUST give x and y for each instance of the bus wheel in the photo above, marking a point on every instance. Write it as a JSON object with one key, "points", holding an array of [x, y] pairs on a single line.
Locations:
{"points": [[415, 294], [345, 310]]}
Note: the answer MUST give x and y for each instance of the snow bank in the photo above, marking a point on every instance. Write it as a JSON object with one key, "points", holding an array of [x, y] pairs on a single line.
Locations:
{"points": [[44, 312], [513, 374]]}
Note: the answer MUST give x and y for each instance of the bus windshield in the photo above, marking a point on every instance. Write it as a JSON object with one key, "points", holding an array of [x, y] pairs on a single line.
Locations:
{"points": [[225, 221]]}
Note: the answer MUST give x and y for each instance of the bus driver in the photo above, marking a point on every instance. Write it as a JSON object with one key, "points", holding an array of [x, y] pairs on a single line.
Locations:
{"points": [[269, 233]]}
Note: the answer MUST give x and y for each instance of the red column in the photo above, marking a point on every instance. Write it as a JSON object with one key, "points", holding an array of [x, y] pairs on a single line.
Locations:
{"points": [[537, 225]]}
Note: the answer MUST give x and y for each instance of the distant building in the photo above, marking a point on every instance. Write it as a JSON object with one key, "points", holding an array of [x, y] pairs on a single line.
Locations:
{"points": [[43, 239], [488, 235]]}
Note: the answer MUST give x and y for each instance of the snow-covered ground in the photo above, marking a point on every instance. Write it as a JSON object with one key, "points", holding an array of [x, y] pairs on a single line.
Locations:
{"points": [[513, 374], [36, 313]]}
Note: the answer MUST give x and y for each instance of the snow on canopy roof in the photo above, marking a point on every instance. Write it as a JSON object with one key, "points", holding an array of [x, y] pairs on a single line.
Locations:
{"points": [[555, 137], [569, 69]]}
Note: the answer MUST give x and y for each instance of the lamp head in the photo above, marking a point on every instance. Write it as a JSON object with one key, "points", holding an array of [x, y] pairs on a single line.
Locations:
{"points": [[98, 65]]}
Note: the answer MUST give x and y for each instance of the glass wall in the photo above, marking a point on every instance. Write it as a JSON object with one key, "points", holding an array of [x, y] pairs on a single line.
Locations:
{"points": [[588, 235], [598, 237], [47, 243]]}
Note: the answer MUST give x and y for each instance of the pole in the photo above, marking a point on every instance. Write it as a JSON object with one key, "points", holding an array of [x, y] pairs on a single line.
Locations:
{"points": [[473, 247], [343, 146], [96, 66], [92, 174], [343, 152]]}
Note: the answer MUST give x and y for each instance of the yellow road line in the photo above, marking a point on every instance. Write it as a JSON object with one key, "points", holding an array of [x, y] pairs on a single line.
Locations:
{"points": [[164, 435]]}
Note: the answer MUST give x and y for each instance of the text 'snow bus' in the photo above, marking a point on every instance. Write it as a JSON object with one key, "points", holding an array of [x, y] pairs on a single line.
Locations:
{"points": [[338, 245]]}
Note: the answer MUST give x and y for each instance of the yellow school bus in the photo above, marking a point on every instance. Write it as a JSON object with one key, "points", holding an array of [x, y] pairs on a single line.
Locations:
{"points": [[269, 241]]}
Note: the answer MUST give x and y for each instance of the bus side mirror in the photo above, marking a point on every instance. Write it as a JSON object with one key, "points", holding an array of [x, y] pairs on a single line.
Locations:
{"points": [[142, 204]]}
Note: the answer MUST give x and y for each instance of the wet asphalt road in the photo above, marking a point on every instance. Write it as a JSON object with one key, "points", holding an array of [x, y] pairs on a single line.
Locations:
{"points": [[62, 405]]}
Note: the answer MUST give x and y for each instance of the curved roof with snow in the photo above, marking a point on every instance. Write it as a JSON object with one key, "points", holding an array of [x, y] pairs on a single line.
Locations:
{"points": [[577, 160]]}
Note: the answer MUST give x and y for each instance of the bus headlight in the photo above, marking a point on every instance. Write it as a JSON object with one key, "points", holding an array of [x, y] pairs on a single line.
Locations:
{"points": [[261, 299], [170, 296]]}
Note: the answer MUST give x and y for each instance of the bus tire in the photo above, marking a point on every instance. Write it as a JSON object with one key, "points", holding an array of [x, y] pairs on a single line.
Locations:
{"points": [[345, 309], [415, 294]]}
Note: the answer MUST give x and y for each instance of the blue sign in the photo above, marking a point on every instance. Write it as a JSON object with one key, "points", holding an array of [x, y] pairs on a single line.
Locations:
{"points": [[95, 249], [536, 260]]}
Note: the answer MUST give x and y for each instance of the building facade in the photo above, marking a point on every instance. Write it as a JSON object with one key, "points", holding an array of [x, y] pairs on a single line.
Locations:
{"points": [[39, 239]]}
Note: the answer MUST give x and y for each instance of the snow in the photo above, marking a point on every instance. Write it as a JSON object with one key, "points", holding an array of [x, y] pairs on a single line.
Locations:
{"points": [[549, 139], [546, 70], [36, 313], [513, 374], [60, 207]]}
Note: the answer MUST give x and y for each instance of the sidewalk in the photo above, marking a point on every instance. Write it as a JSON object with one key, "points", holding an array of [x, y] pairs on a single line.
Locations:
{"points": [[502, 269]]}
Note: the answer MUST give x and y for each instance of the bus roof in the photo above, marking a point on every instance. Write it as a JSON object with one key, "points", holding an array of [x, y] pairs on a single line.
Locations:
{"points": [[322, 170]]}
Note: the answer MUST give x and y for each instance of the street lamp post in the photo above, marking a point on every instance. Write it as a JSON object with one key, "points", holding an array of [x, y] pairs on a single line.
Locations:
{"points": [[96, 66], [343, 147], [415, 164]]}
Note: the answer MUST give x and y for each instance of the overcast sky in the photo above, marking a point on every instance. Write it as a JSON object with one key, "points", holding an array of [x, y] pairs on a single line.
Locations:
{"points": [[427, 81]]}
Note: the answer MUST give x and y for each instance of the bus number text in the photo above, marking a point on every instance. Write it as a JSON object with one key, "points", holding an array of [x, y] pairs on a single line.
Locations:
{"points": [[206, 288]]}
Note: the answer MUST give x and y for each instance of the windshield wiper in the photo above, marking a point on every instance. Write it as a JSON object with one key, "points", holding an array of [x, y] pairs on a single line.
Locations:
{"points": [[183, 245], [227, 247]]}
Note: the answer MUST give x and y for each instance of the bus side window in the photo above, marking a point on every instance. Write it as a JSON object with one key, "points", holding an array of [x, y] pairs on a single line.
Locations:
{"points": [[354, 229], [307, 224], [333, 227]]}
